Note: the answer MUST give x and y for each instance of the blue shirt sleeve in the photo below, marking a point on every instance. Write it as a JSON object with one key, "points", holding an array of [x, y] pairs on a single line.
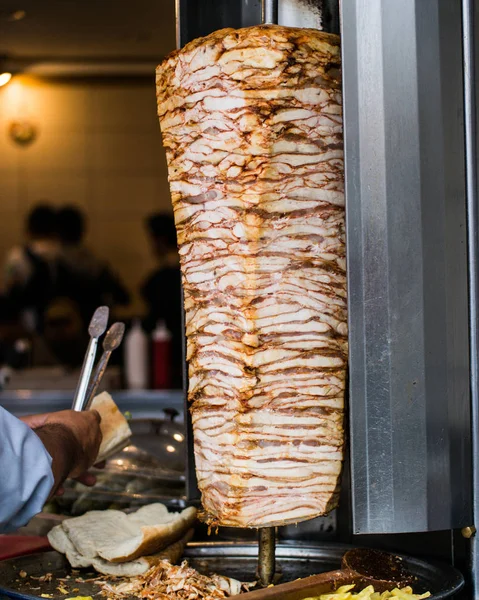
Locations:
{"points": [[26, 477]]}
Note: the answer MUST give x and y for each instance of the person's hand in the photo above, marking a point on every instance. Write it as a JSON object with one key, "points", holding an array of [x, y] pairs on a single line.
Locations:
{"points": [[82, 440], [35, 421]]}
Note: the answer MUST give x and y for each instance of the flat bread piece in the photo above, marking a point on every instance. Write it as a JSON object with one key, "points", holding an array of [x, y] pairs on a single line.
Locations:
{"points": [[154, 535], [114, 427], [93, 528], [151, 514], [60, 541], [141, 565], [117, 537]]}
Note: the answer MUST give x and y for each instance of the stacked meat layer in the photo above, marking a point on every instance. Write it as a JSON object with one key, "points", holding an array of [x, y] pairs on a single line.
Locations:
{"points": [[251, 123]]}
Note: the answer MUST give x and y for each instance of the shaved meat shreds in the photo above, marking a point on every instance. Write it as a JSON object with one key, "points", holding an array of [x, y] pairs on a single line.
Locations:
{"points": [[251, 122], [168, 582]]}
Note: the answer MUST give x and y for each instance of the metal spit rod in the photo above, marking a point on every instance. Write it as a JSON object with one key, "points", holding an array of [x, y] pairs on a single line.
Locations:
{"points": [[269, 12], [266, 555], [267, 535]]}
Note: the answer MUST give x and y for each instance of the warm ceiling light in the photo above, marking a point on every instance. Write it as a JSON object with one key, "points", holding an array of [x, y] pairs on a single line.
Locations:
{"points": [[17, 15], [5, 78]]}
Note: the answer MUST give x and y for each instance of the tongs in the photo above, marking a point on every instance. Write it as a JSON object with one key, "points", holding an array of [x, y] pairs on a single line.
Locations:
{"points": [[86, 389], [111, 342]]}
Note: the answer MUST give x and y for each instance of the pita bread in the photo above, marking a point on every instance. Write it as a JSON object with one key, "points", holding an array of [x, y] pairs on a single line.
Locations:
{"points": [[141, 565], [153, 536], [90, 531], [59, 541], [117, 537], [114, 427]]}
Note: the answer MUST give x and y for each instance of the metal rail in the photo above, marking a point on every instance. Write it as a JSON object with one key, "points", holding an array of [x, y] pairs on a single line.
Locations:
{"points": [[469, 71]]}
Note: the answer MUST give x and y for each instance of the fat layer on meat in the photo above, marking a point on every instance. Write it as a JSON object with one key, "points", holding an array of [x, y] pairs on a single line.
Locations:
{"points": [[251, 123]]}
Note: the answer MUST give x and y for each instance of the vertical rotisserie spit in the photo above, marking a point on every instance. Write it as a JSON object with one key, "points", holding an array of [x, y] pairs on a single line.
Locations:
{"points": [[251, 123]]}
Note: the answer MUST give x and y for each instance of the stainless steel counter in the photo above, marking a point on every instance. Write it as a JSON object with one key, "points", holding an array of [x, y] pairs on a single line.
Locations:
{"points": [[143, 404]]}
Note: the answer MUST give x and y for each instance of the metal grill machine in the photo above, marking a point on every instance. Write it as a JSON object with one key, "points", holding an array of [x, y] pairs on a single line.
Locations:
{"points": [[410, 480]]}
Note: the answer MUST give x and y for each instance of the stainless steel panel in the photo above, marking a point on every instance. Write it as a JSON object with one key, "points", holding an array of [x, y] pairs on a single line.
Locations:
{"points": [[470, 28], [406, 236], [317, 14]]}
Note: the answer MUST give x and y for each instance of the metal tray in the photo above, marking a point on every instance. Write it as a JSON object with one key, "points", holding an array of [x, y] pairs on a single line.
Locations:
{"points": [[234, 560], [297, 560]]}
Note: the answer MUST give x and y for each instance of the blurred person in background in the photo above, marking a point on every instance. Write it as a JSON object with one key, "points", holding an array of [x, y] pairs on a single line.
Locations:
{"points": [[92, 281], [65, 335], [55, 284], [62, 341], [32, 272], [161, 291]]}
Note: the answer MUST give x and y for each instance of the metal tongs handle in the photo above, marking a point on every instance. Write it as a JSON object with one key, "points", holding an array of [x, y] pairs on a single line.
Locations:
{"points": [[97, 327]]}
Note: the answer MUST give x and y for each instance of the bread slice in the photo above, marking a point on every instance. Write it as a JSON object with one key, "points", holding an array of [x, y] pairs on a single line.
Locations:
{"points": [[154, 535], [117, 537], [91, 530], [60, 541], [114, 427], [141, 565]]}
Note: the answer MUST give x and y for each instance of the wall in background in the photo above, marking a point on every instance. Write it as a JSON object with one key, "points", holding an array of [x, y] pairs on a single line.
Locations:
{"points": [[99, 147]]}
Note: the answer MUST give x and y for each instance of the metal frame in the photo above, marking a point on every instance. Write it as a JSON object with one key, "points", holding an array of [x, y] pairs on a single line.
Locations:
{"points": [[470, 121]]}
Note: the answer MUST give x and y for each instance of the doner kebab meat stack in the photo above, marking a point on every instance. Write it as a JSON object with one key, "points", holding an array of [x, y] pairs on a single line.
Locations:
{"points": [[251, 123]]}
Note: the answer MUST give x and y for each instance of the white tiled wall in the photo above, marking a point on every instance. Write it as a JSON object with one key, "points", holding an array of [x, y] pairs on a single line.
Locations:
{"points": [[99, 146]]}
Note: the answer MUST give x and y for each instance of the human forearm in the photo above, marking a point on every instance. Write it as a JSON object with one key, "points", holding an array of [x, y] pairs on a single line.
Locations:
{"points": [[72, 440], [33, 464], [62, 446]]}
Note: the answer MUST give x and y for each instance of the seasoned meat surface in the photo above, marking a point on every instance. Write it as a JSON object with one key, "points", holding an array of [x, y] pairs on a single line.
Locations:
{"points": [[251, 123]]}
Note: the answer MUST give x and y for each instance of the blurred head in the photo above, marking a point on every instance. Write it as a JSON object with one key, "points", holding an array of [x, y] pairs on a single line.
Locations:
{"points": [[71, 225], [42, 222], [161, 228]]}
